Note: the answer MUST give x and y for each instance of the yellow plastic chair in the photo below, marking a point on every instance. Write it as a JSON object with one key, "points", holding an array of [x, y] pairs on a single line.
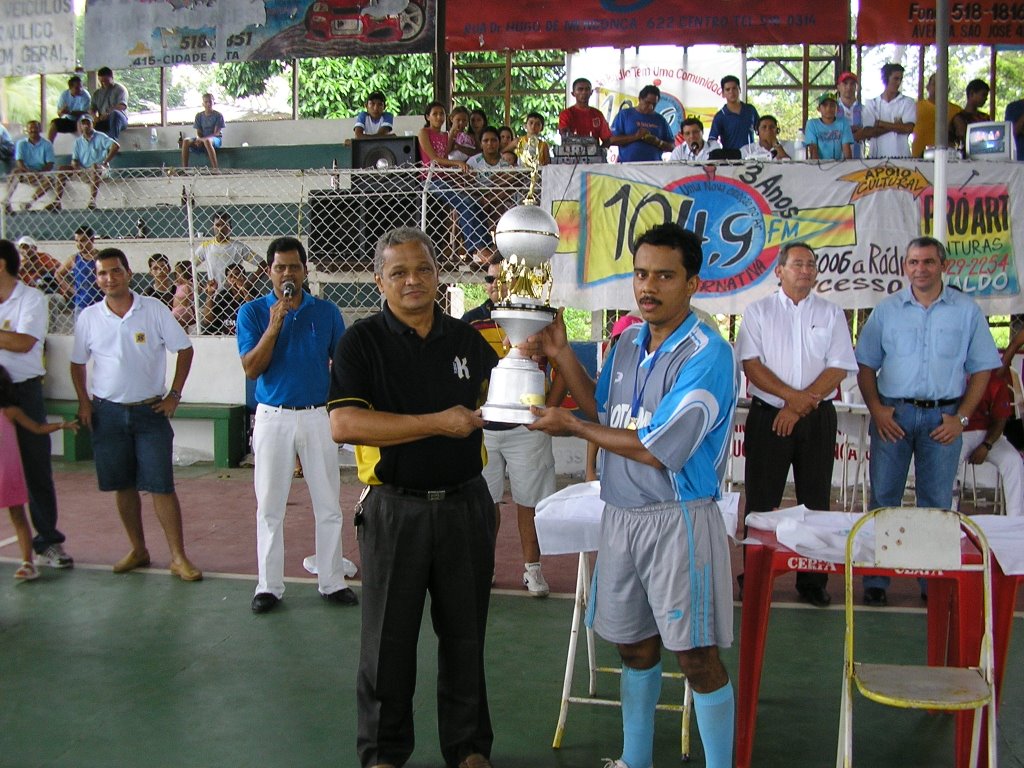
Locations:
{"points": [[927, 539]]}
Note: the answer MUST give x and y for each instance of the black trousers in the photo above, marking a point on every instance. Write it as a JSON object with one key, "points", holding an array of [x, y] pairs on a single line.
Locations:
{"points": [[809, 450], [35, 457], [410, 546]]}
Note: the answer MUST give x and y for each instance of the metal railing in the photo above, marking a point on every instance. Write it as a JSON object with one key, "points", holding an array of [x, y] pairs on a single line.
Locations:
{"points": [[339, 215]]}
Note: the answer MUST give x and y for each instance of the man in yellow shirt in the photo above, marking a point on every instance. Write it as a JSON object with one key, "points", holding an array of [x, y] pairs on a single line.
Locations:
{"points": [[924, 128]]}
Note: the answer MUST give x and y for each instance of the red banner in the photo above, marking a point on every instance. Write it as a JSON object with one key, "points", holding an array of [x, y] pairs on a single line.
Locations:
{"points": [[913, 22], [533, 24]]}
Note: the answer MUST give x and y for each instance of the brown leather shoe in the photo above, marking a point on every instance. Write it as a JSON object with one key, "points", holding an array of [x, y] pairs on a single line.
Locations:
{"points": [[185, 571], [131, 561], [475, 760]]}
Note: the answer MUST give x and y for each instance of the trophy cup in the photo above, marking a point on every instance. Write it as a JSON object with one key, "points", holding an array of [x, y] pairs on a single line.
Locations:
{"points": [[526, 236]]}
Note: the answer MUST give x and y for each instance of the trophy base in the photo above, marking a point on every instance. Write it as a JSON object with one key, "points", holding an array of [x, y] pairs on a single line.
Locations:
{"points": [[507, 414]]}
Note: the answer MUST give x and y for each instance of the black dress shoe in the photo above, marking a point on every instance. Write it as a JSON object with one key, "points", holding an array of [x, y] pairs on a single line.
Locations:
{"points": [[875, 597], [816, 596], [342, 597], [264, 601]]}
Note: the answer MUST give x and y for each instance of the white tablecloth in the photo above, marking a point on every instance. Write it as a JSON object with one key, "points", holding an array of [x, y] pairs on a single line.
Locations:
{"points": [[822, 535], [1006, 538], [570, 521], [818, 535]]}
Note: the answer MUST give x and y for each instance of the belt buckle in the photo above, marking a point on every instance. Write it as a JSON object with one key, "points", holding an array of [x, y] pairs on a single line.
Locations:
{"points": [[435, 495]]}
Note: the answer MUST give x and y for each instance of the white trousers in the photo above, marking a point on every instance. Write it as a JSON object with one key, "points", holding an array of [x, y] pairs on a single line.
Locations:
{"points": [[278, 435], [1007, 460]]}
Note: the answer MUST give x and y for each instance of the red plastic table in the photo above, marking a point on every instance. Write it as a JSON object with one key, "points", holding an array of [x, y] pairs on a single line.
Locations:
{"points": [[1004, 600], [954, 626]]}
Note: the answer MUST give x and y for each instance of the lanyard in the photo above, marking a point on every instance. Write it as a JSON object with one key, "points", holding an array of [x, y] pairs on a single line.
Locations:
{"points": [[638, 395]]}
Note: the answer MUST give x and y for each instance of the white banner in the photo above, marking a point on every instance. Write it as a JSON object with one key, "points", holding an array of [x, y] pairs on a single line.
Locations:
{"points": [[37, 37], [685, 76], [858, 216]]}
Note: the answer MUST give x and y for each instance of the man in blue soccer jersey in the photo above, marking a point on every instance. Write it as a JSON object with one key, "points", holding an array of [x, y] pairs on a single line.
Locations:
{"points": [[662, 410]]}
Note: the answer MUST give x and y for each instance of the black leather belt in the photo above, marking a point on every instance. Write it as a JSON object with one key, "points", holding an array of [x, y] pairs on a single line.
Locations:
{"points": [[299, 407], [928, 403], [434, 494], [755, 400], [149, 401]]}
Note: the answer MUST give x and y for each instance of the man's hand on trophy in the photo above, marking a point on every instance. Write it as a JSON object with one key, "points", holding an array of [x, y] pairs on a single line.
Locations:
{"points": [[549, 342], [558, 422], [459, 421]]}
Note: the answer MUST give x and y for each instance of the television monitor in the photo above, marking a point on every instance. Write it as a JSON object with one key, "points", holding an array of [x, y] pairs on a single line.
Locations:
{"points": [[991, 141]]}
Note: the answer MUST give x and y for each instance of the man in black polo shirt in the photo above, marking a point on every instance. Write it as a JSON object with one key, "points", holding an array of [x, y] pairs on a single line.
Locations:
{"points": [[405, 387]]}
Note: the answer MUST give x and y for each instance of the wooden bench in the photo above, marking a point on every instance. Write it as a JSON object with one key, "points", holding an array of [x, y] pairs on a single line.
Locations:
{"points": [[228, 429]]}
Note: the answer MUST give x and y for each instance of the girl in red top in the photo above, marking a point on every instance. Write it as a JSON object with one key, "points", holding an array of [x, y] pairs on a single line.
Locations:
{"points": [[433, 141]]}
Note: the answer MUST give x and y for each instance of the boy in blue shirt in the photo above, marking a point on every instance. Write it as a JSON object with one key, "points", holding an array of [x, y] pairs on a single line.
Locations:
{"points": [[374, 121], [828, 137]]}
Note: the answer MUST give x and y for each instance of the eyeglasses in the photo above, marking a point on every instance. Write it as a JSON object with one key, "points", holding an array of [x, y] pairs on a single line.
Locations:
{"points": [[489, 279]]}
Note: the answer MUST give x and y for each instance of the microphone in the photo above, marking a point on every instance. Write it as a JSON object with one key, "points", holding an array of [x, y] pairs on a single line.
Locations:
{"points": [[288, 289]]}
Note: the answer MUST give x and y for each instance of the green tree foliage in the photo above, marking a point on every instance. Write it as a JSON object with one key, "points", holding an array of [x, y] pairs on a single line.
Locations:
{"points": [[537, 85], [1009, 79], [143, 84], [337, 87], [247, 78], [21, 97], [333, 88]]}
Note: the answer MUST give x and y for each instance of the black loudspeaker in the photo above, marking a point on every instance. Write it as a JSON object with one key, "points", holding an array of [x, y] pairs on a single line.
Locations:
{"points": [[384, 151], [344, 226]]}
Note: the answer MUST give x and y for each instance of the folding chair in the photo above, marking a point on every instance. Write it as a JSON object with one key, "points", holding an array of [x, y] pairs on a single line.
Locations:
{"points": [[583, 576], [998, 495], [918, 539]]}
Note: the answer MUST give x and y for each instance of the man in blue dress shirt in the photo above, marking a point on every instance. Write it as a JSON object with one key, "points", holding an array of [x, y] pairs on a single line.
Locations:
{"points": [[915, 352]]}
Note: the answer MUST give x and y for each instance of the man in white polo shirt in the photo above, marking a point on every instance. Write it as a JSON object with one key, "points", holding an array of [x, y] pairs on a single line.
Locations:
{"points": [[23, 325], [128, 337], [889, 118]]}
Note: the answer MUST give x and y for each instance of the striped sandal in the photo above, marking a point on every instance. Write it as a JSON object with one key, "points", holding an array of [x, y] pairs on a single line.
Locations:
{"points": [[27, 572]]}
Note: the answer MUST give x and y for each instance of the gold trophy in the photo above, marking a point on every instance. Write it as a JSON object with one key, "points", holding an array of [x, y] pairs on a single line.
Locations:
{"points": [[527, 237]]}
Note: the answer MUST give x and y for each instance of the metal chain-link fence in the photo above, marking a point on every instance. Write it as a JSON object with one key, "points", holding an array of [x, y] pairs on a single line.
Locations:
{"points": [[212, 220]]}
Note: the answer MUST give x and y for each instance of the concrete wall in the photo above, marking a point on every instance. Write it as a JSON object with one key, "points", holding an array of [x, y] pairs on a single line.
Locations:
{"points": [[216, 371], [264, 133], [217, 377]]}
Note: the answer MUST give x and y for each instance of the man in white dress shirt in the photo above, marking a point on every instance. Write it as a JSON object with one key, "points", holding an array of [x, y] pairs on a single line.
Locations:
{"points": [[795, 349]]}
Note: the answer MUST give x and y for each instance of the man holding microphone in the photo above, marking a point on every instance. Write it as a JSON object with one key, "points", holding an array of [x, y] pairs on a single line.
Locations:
{"points": [[286, 340]]}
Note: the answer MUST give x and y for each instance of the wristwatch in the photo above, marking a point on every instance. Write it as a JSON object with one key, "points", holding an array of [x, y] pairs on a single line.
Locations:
{"points": [[175, 394], [964, 421], [988, 445]]}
